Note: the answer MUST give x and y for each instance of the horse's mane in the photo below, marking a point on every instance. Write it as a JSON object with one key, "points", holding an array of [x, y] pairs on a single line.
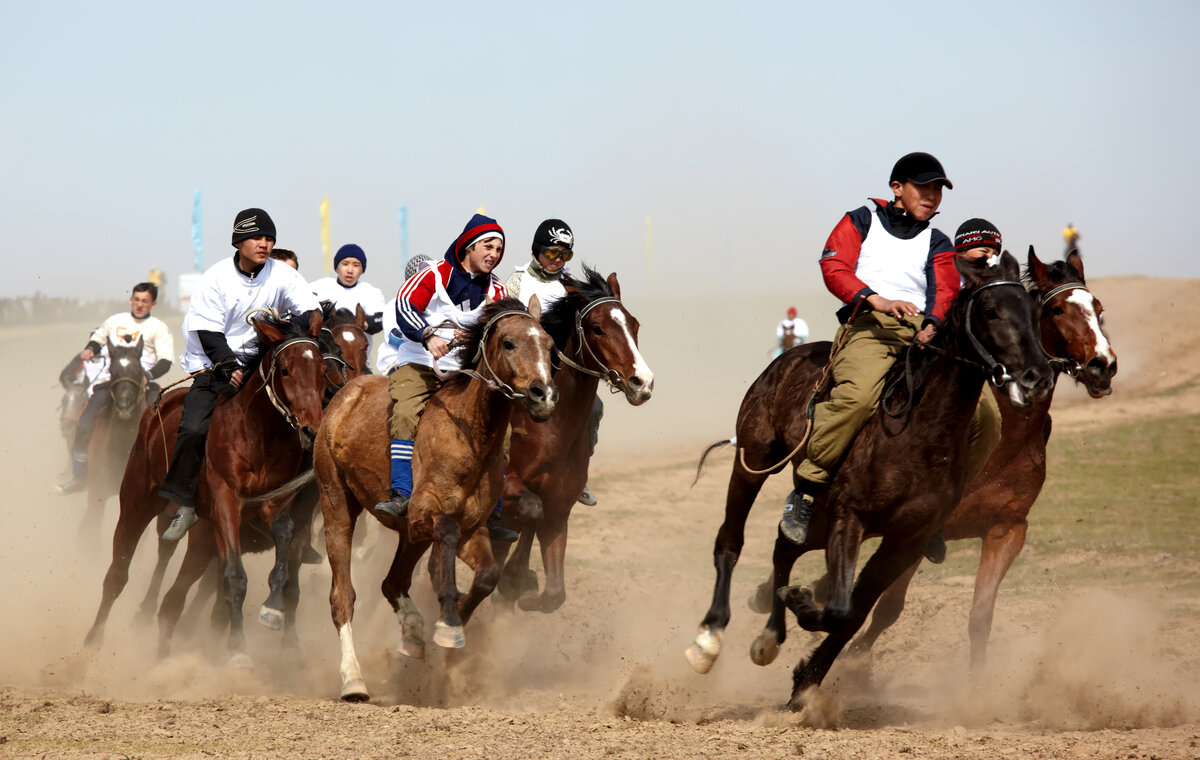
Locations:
{"points": [[559, 318], [1060, 272], [295, 327], [470, 346]]}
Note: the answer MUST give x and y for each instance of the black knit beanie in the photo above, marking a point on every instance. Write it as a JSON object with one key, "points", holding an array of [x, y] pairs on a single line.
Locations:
{"points": [[552, 232], [977, 233], [250, 223]]}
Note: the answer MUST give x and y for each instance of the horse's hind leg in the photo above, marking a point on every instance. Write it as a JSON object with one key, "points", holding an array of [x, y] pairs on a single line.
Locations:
{"points": [[892, 558], [201, 549], [1001, 546], [339, 535], [765, 648], [136, 514], [887, 610], [166, 550], [271, 612], [476, 551], [448, 631], [739, 498], [301, 540]]}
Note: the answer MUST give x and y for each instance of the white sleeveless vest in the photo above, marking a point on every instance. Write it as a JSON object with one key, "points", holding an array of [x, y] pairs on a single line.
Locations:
{"points": [[895, 268]]}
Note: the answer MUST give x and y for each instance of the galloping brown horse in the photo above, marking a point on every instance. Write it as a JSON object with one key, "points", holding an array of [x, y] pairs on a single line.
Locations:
{"points": [[255, 444], [549, 461], [343, 344], [901, 477], [458, 461], [996, 504]]}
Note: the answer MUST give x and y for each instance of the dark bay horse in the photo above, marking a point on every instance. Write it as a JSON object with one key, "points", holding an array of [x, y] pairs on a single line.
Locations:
{"points": [[889, 484], [342, 335], [116, 428], [458, 462], [996, 504], [548, 464], [255, 444]]}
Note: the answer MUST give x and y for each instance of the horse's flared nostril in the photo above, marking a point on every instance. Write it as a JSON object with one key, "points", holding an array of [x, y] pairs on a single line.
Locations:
{"points": [[537, 392], [635, 382], [1099, 368]]}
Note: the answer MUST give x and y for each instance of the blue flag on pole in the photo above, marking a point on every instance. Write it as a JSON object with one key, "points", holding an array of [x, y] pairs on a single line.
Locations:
{"points": [[197, 234], [403, 237]]}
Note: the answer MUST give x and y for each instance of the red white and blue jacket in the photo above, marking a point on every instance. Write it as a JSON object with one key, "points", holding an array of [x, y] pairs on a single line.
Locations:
{"points": [[866, 254]]}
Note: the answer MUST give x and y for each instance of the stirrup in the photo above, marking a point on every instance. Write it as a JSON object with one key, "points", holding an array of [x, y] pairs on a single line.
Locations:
{"points": [[797, 513]]}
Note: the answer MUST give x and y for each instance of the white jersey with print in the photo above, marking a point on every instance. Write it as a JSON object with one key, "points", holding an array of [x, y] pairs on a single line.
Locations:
{"points": [[364, 294], [797, 327], [389, 347], [226, 296], [547, 291], [124, 329]]}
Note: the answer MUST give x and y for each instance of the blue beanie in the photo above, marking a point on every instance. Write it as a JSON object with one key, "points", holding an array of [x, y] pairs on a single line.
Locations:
{"points": [[350, 251]]}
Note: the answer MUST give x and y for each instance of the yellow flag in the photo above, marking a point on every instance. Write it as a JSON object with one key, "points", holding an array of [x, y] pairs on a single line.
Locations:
{"points": [[328, 259], [481, 210], [650, 248]]}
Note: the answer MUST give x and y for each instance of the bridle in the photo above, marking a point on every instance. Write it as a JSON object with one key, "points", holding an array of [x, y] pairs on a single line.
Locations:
{"points": [[1064, 364], [610, 376], [268, 377], [341, 364], [494, 383], [997, 373]]}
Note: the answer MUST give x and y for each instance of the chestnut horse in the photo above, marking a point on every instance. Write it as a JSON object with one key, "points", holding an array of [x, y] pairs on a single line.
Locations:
{"points": [[116, 428], [996, 504], [596, 338], [255, 443], [901, 476], [343, 343], [458, 463]]}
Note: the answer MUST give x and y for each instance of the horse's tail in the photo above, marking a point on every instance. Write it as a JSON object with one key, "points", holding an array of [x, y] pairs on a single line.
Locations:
{"points": [[712, 447], [284, 491]]}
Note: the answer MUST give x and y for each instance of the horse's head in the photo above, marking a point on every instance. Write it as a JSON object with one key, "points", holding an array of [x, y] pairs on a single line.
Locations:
{"points": [[293, 370], [127, 385], [509, 343], [607, 334], [348, 332], [997, 317], [1071, 323]]}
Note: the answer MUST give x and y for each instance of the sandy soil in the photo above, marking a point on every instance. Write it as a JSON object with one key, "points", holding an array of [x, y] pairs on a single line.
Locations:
{"points": [[1074, 671]]}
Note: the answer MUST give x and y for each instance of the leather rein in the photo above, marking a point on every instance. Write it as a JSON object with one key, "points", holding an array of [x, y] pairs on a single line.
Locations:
{"points": [[610, 376]]}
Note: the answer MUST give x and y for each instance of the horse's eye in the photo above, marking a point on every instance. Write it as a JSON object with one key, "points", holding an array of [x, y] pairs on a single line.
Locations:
{"points": [[596, 330], [284, 372], [1057, 311], [509, 345], [990, 313]]}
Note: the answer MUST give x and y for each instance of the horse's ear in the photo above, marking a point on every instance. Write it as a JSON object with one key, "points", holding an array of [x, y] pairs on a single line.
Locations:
{"points": [[535, 307], [141, 344], [1010, 268], [267, 332], [316, 320], [110, 346], [1076, 261], [360, 317], [612, 283], [1037, 270]]}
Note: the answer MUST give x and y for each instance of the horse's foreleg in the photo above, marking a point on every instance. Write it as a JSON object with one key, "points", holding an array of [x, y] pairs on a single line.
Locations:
{"points": [[271, 612], [841, 561], [552, 536], [739, 498], [201, 549], [765, 647], [166, 550], [517, 578], [476, 551], [447, 632], [1001, 546], [887, 610], [226, 513], [396, 587], [301, 540], [136, 514], [339, 536], [892, 558]]}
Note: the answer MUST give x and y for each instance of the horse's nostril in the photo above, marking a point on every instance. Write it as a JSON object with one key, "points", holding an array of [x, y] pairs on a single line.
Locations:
{"points": [[1097, 366], [537, 392], [635, 381]]}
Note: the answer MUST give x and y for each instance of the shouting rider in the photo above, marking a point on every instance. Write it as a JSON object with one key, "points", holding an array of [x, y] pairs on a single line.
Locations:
{"points": [[553, 244], [881, 260], [347, 289], [431, 309], [218, 341], [126, 327]]}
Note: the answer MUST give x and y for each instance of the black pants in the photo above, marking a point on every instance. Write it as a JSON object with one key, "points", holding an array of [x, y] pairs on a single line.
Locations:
{"points": [[594, 422], [188, 459], [87, 420]]}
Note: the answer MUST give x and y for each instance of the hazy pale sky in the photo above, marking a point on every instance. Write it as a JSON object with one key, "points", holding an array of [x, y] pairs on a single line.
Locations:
{"points": [[744, 129]]}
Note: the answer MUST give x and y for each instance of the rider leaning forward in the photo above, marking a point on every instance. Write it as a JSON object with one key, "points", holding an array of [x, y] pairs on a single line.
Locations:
{"points": [[881, 259], [126, 327], [432, 308], [552, 248], [219, 340]]}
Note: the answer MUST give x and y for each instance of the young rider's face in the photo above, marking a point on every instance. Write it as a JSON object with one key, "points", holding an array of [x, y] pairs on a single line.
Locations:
{"points": [[348, 271], [140, 304], [977, 253], [921, 201], [551, 266], [256, 250], [483, 257]]}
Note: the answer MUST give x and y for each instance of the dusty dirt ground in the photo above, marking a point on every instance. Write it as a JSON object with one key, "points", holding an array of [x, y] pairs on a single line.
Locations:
{"points": [[1075, 671]]}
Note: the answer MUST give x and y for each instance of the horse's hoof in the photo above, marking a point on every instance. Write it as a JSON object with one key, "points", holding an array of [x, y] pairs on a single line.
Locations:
{"points": [[449, 636], [414, 648], [765, 648], [241, 661], [704, 651], [762, 598], [530, 601], [270, 618], [355, 691]]}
